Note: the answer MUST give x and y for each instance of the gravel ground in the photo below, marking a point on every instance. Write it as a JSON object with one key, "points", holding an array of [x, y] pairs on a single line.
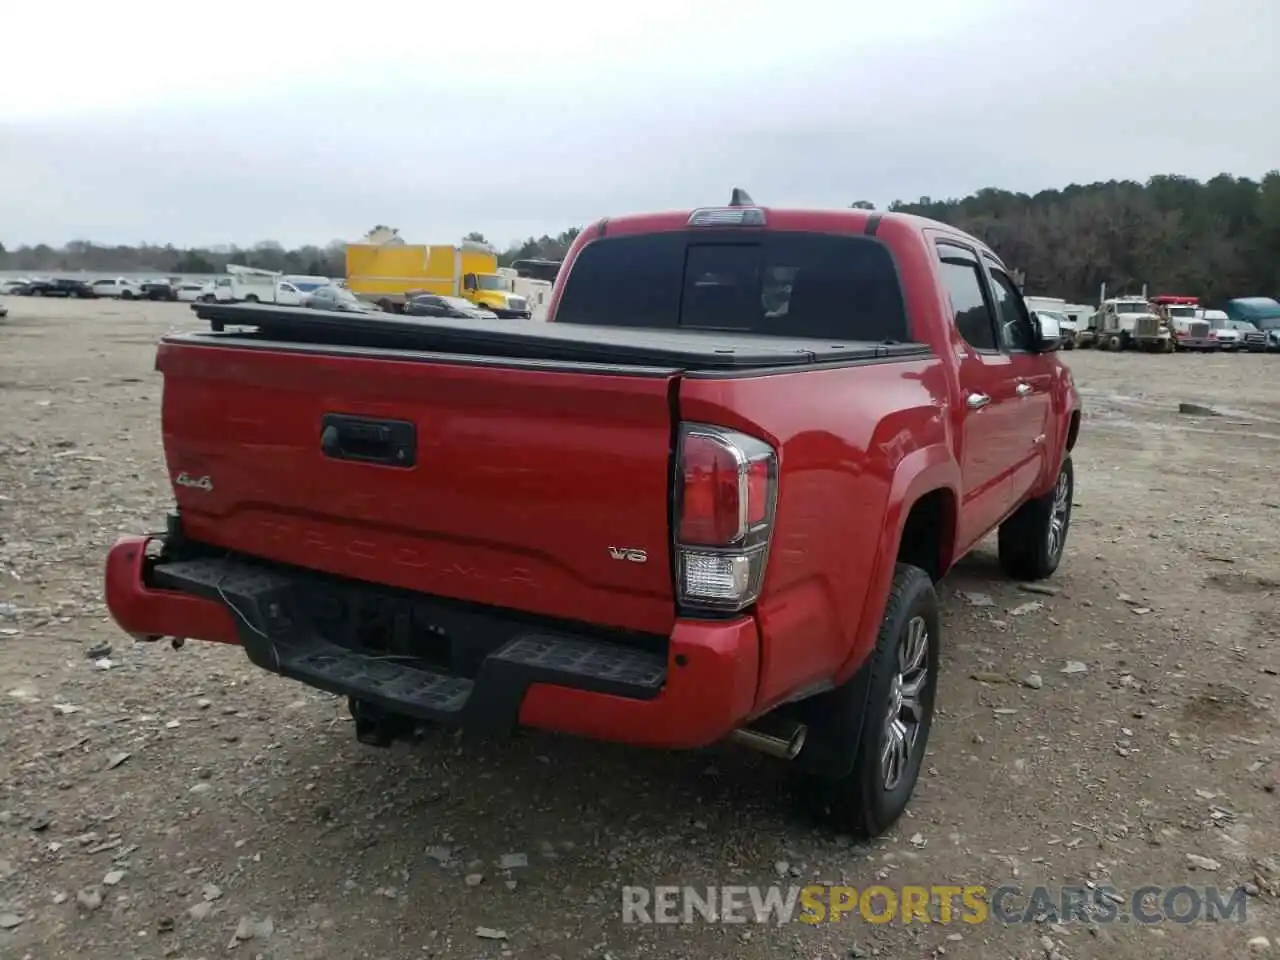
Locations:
{"points": [[160, 803]]}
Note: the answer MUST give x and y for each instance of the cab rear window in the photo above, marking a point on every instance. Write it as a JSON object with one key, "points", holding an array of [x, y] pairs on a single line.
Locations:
{"points": [[781, 283]]}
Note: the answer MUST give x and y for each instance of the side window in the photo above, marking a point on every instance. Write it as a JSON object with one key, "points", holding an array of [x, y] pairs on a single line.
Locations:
{"points": [[1016, 330], [964, 286]]}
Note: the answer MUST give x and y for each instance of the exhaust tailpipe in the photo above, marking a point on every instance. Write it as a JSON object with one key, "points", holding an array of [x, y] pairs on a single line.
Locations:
{"points": [[782, 739]]}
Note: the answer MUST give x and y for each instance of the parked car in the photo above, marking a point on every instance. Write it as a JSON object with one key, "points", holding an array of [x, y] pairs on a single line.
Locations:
{"points": [[1227, 333], [337, 298], [59, 288], [664, 517], [160, 289], [192, 291], [432, 305], [13, 287], [4, 311], [122, 288]]}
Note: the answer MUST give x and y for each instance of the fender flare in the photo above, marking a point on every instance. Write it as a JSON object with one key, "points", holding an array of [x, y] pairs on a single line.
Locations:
{"points": [[920, 472]]}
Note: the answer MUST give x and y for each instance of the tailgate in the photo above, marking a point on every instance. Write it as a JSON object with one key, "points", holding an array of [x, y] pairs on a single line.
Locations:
{"points": [[528, 488]]}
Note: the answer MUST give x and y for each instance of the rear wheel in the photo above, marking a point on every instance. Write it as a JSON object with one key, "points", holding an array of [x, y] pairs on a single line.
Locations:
{"points": [[251, 298], [1032, 541], [126, 294], [877, 725]]}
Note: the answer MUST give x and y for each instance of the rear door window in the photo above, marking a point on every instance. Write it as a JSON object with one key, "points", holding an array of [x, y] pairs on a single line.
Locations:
{"points": [[968, 303], [781, 283]]}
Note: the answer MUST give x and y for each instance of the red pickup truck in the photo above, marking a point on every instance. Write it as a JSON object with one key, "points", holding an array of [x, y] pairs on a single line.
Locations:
{"points": [[709, 500]]}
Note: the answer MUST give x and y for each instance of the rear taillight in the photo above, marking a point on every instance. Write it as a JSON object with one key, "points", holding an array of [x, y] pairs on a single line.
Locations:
{"points": [[726, 490]]}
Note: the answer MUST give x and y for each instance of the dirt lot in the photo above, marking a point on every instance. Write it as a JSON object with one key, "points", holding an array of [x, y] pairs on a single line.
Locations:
{"points": [[154, 801]]}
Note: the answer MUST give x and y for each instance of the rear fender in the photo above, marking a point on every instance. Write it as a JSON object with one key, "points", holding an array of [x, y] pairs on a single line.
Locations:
{"points": [[920, 472], [837, 717]]}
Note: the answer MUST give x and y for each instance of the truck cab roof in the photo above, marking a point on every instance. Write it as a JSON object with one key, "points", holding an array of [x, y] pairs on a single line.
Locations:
{"points": [[846, 221]]}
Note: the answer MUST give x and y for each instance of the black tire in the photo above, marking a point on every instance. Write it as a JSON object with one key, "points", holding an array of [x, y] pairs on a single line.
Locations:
{"points": [[126, 294], [1027, 552], [251, 298], [36, 293], [855, 717]]}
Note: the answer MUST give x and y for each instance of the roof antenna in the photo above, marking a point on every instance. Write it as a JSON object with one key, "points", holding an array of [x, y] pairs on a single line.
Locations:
{"points": [[740, 198]]}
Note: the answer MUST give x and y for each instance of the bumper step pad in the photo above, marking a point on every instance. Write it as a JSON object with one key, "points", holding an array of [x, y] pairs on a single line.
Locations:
{"points": [[277, 638]]}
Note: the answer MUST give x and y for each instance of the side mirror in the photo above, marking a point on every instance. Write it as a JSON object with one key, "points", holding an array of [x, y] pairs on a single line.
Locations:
{"points": [[1048, 332]]}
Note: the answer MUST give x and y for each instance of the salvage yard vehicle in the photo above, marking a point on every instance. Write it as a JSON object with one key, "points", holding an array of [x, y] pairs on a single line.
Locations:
{"points": [[77, 289], [431, 305], [1229, 334], [193, 290], [1087, 332], [1185, 320], [389, 272], [1264, 314], [120, 287], [1066, 327], [708, 499], [160, 288], [335, 298], [1124, 323]]}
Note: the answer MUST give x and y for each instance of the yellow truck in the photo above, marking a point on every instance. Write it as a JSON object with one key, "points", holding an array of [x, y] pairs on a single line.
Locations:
{"points": [[388, 274]]}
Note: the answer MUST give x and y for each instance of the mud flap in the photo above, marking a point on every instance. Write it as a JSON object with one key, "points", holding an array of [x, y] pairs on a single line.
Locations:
{"points": [[834, 720]]}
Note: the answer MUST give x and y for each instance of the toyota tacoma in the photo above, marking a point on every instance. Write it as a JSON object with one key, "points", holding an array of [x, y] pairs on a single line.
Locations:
{"points": [[710, 500]]}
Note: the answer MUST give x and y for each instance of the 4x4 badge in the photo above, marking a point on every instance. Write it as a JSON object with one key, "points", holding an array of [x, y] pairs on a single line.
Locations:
{"points": [[196, 483]]}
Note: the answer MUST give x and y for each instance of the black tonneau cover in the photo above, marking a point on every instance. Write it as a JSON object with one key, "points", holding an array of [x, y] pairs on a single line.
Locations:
{"points": [[524, 339]]}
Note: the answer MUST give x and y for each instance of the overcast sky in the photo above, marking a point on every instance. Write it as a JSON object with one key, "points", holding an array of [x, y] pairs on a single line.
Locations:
{"points": [[238, 122]]}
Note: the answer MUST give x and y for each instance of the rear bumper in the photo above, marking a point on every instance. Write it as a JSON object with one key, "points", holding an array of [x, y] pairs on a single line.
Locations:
{"points": [[690, 694]]}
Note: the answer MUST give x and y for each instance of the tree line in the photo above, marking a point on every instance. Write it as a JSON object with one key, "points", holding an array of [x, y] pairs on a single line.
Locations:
{"points": [[1214, 240], [1217, 239], [326, 261]]}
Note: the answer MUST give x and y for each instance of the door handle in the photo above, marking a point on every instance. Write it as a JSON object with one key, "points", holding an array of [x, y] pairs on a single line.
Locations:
{"points": [[1024, 389], [977, 401]]}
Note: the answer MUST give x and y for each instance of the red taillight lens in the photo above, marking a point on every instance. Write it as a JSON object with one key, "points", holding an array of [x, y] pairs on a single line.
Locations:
{"points": [[727, 487], [711, 511]]}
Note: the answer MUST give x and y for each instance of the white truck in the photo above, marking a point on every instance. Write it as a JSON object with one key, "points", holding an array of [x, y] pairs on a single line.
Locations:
{"points": [[121, 288], [253, 285], [537, 293], [1059, 309], [1125, 323]]}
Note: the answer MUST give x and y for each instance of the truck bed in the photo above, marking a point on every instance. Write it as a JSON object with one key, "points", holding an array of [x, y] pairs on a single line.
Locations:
{"points": [[547, 342]]}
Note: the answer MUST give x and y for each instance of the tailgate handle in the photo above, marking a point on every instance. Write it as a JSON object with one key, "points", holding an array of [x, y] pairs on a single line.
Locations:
{"points": [[392, 443]]}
